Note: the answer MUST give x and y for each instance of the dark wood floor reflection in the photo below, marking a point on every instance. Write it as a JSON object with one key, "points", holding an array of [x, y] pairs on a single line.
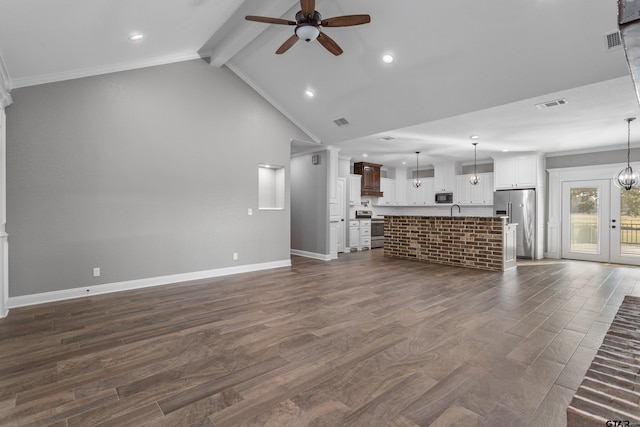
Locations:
{"points": [[361, 341]]}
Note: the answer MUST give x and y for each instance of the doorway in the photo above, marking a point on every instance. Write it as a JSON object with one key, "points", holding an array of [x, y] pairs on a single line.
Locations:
{"points": [[601, 222]]}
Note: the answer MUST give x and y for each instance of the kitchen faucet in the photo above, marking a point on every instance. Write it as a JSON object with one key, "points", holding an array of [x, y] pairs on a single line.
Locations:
{"points": [[459, 210]]}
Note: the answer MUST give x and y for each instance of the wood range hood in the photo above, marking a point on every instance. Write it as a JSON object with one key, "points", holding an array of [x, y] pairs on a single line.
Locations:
{"points": [[370, 183]]}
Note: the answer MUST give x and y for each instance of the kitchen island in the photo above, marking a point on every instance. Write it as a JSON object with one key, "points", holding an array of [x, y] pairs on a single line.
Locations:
{"points": [[486, 243]]}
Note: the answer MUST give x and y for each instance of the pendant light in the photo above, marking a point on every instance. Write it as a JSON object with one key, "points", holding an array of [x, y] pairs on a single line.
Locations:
{"points": [[416, 182], [475, 179], [627, 177]]}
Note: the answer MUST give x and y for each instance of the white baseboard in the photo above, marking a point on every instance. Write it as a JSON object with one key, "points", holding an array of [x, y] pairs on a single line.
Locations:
{"points": [[321, 257], [24, 300]]}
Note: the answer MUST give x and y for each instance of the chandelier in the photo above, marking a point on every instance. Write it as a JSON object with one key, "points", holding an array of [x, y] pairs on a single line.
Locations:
{"points": [[416, 182], [627, 177], [474, 179]]}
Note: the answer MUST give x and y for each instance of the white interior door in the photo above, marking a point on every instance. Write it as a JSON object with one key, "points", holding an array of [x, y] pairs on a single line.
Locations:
{"points": [[586, 219]]}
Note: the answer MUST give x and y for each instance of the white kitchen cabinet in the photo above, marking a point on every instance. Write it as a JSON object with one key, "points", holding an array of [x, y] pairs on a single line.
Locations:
{"points": [[354, 233], [360, 234], [420, 196], [401, 191], [462, 195], [388, 188], [516, 172], [488, 188], [480, 194], [444, 175], [365, 234], [428, 191], [354, 190]]}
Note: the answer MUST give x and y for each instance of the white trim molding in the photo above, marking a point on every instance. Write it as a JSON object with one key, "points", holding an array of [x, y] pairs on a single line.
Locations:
{"points": [[25, 300], [314, 255], [556, 177]]}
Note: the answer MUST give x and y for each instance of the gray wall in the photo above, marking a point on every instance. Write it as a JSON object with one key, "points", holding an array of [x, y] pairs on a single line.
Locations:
{"points": [[591, 159], [309, 204], [143, 173]]}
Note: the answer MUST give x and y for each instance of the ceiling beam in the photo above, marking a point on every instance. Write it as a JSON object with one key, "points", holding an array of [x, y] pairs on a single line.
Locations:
{"points": [[5, 85], [236, 32]]}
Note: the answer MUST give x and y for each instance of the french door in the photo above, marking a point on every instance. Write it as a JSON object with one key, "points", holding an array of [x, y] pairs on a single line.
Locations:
{"points": [[600, 222]]}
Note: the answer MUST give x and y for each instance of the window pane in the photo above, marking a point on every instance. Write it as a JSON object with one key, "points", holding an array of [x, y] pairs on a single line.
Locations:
{"points": [[584, 214]]}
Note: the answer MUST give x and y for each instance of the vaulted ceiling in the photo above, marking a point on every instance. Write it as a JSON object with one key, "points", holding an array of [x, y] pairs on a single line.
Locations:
{"points": [[460, 68]]}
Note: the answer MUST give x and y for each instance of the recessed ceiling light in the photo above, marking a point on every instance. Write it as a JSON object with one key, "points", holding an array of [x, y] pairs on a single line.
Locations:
{"points": [[365, 155], [474, 137], [505, 151], [404, 163], [136, 37], [309, 93], [387, 59]]}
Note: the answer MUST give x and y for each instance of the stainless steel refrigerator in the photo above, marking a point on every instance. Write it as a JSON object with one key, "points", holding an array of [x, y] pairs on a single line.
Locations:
{"points": [[520, 208]]}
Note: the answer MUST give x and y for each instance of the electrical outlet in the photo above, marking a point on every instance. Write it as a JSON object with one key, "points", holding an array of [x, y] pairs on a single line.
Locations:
{"points": [[96, 272], [235, 256]]}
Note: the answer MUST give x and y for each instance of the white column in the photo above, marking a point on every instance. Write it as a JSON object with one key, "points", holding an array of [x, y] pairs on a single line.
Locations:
{"points": [[5, 100], [4, 249]]}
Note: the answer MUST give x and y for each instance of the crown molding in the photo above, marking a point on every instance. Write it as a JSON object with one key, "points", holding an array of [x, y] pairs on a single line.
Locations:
{"points": [[5, 85], [95, 71]]}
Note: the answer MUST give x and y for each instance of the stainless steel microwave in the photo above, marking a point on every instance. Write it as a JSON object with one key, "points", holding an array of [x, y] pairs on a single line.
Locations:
{"points": [[444, 197]]}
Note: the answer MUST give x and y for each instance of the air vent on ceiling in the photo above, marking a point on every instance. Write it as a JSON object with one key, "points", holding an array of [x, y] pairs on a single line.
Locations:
{"points": [[341, 121], [553, 103], [613, 40]]}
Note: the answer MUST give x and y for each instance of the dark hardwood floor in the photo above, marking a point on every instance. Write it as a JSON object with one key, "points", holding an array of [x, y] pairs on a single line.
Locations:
{"points": [[361, 341]]}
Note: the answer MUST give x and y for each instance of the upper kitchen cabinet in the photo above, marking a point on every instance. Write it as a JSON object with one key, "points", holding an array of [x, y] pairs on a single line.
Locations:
{"points": [[516, 171], [370, 184], [479, 194], [354, 190], [444, 177], [388, 188], [422, 195]]}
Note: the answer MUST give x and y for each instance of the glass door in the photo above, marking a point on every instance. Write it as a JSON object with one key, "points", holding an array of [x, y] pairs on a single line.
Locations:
{"points": [[625, 225], [585, 219]]}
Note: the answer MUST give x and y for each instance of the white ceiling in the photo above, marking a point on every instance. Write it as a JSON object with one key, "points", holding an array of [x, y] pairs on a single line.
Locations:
{"points": [[462, 68]]}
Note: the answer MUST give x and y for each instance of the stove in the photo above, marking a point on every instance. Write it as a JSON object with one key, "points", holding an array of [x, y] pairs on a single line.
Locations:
{"points": [[377, 233]]}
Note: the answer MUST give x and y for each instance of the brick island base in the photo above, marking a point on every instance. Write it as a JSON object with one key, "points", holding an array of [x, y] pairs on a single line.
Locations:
{"points": [[486, 243]]}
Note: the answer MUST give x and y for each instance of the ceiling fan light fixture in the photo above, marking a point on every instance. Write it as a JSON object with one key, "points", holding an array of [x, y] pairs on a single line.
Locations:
{"points": [[307, 32], [627, 178]]}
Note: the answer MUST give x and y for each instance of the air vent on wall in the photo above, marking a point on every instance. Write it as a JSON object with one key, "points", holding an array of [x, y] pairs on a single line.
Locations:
{"points": [[550, 104], [613, 40], [341, 121]]}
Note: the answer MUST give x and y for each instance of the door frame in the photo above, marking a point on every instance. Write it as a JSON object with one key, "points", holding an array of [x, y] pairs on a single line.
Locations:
{"points": [[556, 177]]}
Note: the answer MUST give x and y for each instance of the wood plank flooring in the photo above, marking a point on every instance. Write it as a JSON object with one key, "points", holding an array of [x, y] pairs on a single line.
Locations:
{"points": [[360, 341]]}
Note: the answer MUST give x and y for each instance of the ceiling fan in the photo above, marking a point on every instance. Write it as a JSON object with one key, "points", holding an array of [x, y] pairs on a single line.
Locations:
{"points": [[308, 22]]}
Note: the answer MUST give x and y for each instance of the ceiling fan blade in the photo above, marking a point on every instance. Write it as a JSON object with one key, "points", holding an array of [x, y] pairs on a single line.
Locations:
{"points": [[308, 7], [267, 20], [329, 44], [346, 21], [286, 45]]}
